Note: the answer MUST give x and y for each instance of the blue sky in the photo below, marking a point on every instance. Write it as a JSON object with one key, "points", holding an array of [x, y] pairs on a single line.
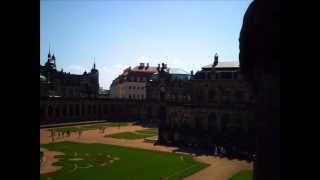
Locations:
{"points": [[183, 34]]}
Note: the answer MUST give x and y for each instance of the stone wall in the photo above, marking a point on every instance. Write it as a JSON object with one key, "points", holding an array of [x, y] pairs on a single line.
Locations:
{"points": [[59, 110]]}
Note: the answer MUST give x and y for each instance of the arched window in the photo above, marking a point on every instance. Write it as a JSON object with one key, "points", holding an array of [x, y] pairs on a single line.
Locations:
{"points": [[200, 95], [83, 109], [64, 111], [99, 109], [239, 95], [50, 111], [211, 94], [94, 109], [57, 112], [77, 110], [89, 109], [212, 121], [71, 110], [105, 109], [70, 92]]}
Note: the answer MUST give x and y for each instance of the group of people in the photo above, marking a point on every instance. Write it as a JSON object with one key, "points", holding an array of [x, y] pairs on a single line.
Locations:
{"points": [[56, 133], [228, 143]]}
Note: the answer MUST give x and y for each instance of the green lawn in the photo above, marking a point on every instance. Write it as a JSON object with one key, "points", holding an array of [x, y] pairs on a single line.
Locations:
{"points": [[97, 126], [129, 135], [90, 127], [102, 161], [148, 131], [243, 175], [141, 134]]}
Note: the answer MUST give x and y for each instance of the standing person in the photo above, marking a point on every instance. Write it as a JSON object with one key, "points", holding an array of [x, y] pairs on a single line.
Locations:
{"points": [[52, 135], [260, 66], [79, 133]]}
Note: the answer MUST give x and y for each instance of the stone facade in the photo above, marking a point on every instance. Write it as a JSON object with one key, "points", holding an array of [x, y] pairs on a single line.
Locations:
{"points": [[62, 110], [61, 84], [212, 107], [131, 84]]}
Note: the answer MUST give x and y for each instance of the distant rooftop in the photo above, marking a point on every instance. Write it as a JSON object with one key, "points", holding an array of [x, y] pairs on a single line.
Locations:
{"points": [[177, 71], [144, 67], [224, 64]]}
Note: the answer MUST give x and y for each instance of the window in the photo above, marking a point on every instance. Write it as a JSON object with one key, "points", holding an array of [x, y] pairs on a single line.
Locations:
{"points": [[99, 109], [77, 110], [138, 96], [94, 109], [211, 94], [57, 111], [105, 108], [89, 109], [235, 75], [129, 87], [239, 95], [226, 75], [133, 87], [64, 111], [142, 88], [129, 96], [71, 110], [70, 92], [83, 110], [138, 79], [134, 96], [138, 87], [142, 96], [50, 111]]}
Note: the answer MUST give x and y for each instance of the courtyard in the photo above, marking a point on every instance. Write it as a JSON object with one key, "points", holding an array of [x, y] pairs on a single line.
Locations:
{"points": [[121, 151]]}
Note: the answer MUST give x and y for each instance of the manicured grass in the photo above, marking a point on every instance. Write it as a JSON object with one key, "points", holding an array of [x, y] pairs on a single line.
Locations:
{"points": [[129, 135], [90, 127], [141, 134], [102, 161], [117, 124], [243, 175], [148, 131], [97, 126]]}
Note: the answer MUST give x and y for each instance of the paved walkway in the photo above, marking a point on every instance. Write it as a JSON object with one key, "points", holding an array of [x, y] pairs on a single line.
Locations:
{"points": [[71, 123]]}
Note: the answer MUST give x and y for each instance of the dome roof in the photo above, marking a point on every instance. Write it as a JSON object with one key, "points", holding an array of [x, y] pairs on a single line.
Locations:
{"points": [[177, 71], [175, 74]]}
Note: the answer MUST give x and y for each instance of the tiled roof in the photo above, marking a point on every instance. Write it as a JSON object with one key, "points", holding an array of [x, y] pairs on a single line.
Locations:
{"points": [[150, 69], [224, 64]]}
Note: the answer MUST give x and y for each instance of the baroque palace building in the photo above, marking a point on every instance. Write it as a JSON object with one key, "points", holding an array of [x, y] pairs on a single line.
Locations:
{"points": [[131, 84], [210, 107], [66, 97], [62, 84]]}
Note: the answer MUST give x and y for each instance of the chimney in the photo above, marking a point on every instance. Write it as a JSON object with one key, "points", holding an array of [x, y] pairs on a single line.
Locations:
{"points": [[141, 65], [215, 63], [147, 66], [158, 68]]}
